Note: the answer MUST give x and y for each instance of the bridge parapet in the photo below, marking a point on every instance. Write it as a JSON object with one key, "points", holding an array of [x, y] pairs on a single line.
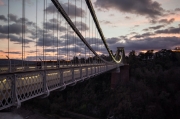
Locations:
{"points": [[18, 87]]}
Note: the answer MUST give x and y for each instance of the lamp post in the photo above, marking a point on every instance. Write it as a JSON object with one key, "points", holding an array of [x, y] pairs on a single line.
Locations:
{"points": [[58, 63], [80, 59], [40, 63], [9, 63]]}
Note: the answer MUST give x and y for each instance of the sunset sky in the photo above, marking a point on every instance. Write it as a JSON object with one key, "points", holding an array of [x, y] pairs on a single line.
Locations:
{"points": [[140, 24], [134, 24]]}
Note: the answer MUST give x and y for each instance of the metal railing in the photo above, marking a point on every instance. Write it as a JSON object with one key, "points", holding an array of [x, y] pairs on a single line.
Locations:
{"points": [[18, 87]]}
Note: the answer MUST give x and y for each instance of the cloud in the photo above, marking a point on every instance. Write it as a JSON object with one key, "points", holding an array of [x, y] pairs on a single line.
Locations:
{"points": [[14, 38], [166, 21], [146, 29], [171, 30], [13, 28], [143, 35], [105, 22], [112, 40], [84, 26], [136, 25], [72, 8], [177, 9], [3, 36], [18, 40], [14, 52], [73, 49], [54, 20], [127, 17], [111, 15], [148, 8], [155, 43], [12, 17], [47, 41], [156, 27], [3, 18], [162, 21], [53, 26], [50, 50]]}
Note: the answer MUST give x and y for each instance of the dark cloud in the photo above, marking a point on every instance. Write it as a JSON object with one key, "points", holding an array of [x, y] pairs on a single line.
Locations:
{"points": [[105, 22], [50, 50], [54, 20], [155, 43], [73, 49], [146, 29], [53, 26], [166, 21], [136, 25], [156, 27], [169, 12], [112, 40], [127, 17], [18, 40], [17, 23], [51, 9], [72, 39], [148, 8], [47, 41], [14, 38], [31, 24], [162, 21], [3, 18], [177, 9], [31, 51], [31, 58], [84, 26], [143, 35], [153, 21], [15, 52], [171, 30], [131, 33], [12, 18], [13, 28]]}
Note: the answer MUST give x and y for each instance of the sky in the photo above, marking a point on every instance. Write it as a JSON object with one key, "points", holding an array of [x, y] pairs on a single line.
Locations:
{"points": [[138, 25]]}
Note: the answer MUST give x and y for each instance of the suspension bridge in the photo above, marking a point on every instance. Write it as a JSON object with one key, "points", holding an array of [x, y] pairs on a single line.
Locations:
{"points": [[48, 46]]}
